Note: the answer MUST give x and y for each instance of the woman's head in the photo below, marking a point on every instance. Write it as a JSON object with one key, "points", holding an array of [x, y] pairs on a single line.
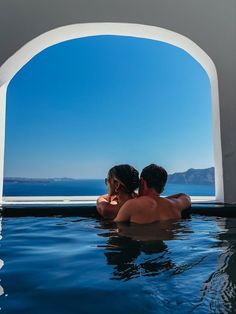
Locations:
{"points": [[123, 178]]}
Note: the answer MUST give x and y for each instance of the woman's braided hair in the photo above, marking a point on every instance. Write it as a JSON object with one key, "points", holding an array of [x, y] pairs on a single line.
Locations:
{"points": [[127, 175]]}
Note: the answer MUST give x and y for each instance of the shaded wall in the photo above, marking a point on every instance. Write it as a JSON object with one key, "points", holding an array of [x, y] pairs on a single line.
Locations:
{"points": [[209, 23]]}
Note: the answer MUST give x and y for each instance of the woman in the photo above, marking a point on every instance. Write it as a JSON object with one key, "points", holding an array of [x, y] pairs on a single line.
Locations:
{"points": [[121, 181]]}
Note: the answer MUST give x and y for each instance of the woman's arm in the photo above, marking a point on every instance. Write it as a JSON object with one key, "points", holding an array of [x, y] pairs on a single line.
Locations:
{"points": [[107, 206]]}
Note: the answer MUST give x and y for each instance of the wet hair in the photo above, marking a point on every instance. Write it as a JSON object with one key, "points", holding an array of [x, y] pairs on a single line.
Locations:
{"points": [[155, 177], [127, 175]]}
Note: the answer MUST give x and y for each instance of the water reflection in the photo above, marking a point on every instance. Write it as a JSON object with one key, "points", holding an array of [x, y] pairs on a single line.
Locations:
{"points": [[1, 290], [0, 227], [1, 261], [137, 250], [179, 266], [223, 280], [147, 250], [218, 292]]}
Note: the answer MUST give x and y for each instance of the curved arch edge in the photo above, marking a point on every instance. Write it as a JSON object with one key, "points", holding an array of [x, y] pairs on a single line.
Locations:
{"points": [[69, 32], [11, 66], [3, 95]]}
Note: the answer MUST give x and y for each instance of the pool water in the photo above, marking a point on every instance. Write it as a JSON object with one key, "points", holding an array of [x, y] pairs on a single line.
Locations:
{"points": [[84, 265]]}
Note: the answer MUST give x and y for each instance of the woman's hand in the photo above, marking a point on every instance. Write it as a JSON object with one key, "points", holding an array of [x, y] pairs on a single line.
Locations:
{"points": [[107, 206], [103, 198], [107, 198]]}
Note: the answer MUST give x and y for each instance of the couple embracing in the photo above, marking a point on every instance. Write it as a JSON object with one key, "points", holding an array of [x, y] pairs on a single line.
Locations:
{"points": [[123, 204]]}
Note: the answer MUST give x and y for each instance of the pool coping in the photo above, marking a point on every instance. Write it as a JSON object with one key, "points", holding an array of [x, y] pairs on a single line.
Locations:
{"points": [[89, 209]]}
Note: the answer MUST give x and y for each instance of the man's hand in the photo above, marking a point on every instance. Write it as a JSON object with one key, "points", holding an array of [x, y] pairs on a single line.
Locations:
{"points": [[176, 195], [184, 200]]}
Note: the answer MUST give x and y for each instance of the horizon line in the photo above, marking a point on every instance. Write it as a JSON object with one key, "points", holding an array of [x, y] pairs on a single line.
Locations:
{"points": [[63, 177]]}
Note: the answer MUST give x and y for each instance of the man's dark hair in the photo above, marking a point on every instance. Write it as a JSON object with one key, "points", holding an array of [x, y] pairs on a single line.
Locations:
{"points": [[155, 177]]}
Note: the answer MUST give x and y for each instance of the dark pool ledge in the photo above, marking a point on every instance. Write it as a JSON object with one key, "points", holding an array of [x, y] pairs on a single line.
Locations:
{"points": [[43, 210]]}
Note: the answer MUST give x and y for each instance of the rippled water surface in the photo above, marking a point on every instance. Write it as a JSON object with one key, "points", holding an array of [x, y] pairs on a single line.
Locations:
{"points": [[73, 265]]}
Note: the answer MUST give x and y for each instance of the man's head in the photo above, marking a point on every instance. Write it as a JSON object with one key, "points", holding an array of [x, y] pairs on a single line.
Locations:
{"points": [[153, 177]]}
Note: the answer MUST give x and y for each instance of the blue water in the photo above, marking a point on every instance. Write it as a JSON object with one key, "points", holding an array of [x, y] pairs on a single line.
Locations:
{"points": [[73, 265], [89, 187]]}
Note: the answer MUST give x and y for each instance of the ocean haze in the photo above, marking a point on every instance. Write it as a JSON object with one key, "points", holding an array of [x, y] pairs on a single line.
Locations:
{"points": [[91, 188], [191, 176], [194, 182]]}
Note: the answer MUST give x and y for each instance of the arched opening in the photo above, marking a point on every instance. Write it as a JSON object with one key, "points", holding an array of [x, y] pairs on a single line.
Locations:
{"points": [[78, 31]]}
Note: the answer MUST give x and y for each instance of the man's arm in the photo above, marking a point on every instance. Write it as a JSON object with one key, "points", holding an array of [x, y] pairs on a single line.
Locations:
{"points": [[182, 200]]}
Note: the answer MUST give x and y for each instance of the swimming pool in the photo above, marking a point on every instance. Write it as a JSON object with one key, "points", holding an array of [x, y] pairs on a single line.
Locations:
{"points": [[88, 265]]}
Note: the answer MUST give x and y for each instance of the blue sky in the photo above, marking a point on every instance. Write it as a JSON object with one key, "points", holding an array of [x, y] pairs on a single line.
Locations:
{"points": [[79, 107]]}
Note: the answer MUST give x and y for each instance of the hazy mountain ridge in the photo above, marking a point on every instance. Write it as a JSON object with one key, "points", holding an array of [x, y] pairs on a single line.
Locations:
{"points": [[35, 180], [193, 176]]}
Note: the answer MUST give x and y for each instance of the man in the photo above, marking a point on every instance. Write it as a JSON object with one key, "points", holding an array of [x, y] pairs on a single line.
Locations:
{"points": [[150, 206]]}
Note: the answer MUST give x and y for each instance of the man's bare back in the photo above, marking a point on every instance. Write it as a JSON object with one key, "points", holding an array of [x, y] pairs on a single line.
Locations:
{"points": [[151, 208]]}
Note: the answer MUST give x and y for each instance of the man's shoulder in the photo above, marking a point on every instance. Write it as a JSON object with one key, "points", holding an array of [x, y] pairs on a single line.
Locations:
{"points": [[140, 201], [145, 198]]}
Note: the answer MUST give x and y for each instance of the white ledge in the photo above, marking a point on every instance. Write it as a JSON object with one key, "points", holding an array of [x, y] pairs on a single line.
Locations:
{"points": [[77, 200]]}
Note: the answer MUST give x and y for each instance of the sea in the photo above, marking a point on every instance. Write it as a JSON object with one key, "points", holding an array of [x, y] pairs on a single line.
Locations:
{"points": [[90, 187]]}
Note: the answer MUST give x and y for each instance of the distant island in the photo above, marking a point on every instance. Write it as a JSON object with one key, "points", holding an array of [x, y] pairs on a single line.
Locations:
{"points": [[191, 176], [36, 180]]}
